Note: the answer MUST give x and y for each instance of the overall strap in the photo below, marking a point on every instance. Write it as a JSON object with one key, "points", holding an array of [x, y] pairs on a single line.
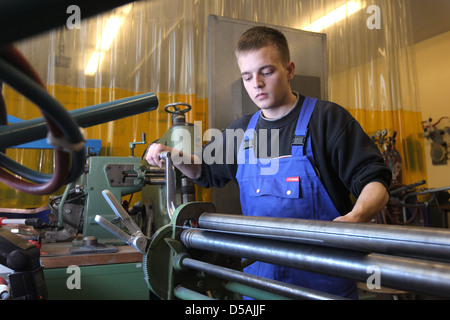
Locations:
{"points": [[249, 136], [301, 131], [248, 140]]}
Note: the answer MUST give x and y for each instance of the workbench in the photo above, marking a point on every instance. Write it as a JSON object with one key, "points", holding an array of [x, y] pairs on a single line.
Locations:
{"points": [[101, 276]]}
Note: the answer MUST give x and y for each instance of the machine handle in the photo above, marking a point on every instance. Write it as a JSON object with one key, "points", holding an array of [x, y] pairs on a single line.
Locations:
{"points": [[112, 228], [168, 108], [137, 239], [120, 212], [140, 242]]}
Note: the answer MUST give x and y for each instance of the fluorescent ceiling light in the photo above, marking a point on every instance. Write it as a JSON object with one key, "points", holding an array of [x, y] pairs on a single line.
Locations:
{"points": [[94, 62], [334, 16], [109, 33]]}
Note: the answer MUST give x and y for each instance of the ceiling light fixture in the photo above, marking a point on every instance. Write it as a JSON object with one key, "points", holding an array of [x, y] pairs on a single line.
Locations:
{"points": [[109, 33], [334, 16]]}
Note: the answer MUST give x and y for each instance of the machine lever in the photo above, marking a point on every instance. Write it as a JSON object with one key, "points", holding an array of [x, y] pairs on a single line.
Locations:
{"points": [[112, 228], [137, 239], [120, 212]]}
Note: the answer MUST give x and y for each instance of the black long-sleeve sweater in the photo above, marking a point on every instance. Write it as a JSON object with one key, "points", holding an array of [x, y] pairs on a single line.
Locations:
{"points": [[345, 156]]}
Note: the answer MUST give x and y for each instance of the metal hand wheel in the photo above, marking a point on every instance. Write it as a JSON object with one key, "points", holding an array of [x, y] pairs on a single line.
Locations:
{"points": [[176, 109]]}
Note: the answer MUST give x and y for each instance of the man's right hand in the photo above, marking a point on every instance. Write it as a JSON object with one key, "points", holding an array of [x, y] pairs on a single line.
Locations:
{"points": [[153, 152], [188, 164]]}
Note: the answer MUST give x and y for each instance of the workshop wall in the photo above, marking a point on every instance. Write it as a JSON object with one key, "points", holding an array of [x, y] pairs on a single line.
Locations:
{"points": [[161, 47]]}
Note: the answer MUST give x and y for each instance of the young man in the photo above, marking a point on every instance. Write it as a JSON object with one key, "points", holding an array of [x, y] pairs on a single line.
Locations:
{"points": [[322, 156]]}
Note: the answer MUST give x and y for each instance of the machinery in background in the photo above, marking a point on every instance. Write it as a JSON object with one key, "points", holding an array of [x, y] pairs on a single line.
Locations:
{"points": [[391, 156], [407, 202], [440, 139], [393, 213], [74, 212]]}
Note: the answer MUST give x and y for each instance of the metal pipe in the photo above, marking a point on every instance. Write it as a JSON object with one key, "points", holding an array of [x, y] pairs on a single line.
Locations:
{"points": [[248, 291], [406, 188], [187, 294], [35, 129], [160, 181], [152, 179], [427, 191], [414, 275], [154, 170], [275, 287], [418, 242]]}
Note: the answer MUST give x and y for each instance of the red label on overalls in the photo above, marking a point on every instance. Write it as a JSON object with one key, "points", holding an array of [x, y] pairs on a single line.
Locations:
{"points": [[293, 179]]}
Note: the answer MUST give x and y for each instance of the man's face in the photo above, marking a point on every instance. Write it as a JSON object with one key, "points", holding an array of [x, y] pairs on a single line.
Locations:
{"points": [[267, 80]]}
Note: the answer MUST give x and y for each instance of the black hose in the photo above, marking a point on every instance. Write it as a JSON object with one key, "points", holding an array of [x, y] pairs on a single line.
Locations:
{"points": [[19, 74]]}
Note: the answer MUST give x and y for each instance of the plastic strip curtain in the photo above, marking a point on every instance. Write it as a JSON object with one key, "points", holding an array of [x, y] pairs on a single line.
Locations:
{"points": [[160, 46], [372, 72]]}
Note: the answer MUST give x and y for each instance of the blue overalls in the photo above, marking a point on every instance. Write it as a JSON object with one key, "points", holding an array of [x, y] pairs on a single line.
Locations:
{"points": [[294, 190]]}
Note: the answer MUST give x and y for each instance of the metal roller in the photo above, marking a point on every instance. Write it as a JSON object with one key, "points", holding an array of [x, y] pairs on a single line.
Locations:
{"points": [[267, 285], [419, 242], [413, 275]]}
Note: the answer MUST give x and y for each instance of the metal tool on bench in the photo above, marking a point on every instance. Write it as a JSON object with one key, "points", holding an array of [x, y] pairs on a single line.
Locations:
{"points": [[137, 239]]}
